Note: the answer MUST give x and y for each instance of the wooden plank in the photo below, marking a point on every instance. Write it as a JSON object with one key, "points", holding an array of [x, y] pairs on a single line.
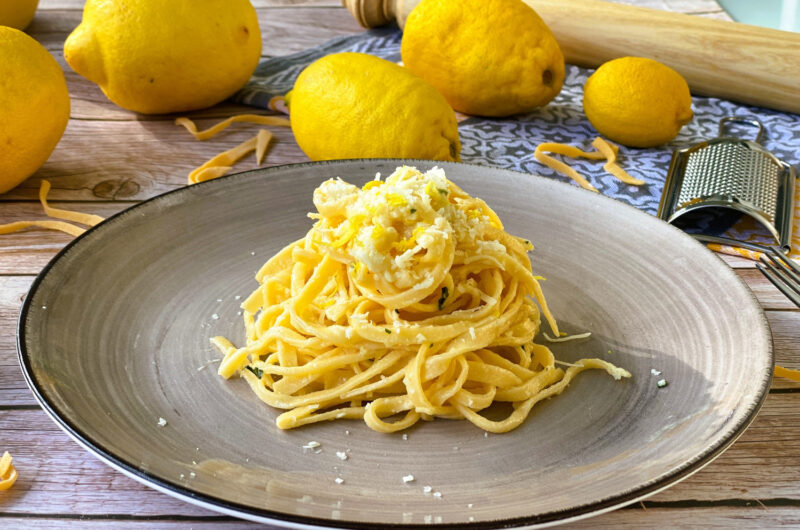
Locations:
{"points": [[212, 522], [26, 252], [57, 476], [758, 466], [13, 389], [752, 515], [767, 294], [135, 160]]}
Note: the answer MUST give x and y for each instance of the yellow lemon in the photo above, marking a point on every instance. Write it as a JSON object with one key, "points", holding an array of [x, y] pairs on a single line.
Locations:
{"points": [[17, 13], [637, 102], [34, 106], [155, 57], [487, 57], [353, 105]]}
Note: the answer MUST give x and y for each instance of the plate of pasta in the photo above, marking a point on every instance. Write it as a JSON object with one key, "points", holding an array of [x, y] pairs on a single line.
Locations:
{"points": [[395, 343]]}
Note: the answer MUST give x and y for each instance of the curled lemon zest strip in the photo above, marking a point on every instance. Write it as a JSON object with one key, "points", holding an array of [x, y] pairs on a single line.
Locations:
{"points": [[62, 226], [190, 126], [8, 473], [788, 373], [222, 162], [604, 150], [561, 167], [67, 215], [57, 213], [263, 139], [610, 152]]}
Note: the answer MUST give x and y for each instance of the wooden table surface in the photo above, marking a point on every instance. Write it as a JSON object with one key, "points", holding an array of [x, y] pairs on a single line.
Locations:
{"points": [[110, 158]]}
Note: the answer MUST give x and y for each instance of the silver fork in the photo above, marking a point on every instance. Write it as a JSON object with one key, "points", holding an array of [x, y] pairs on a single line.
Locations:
{"points": [[783, 274]]}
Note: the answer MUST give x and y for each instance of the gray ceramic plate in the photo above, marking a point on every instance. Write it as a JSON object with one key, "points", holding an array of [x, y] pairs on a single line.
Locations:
{"points": [[114, 335]]}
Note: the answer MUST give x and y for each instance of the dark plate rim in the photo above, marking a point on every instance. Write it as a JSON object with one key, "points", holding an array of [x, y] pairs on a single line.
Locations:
{"points": [[263, 515]]}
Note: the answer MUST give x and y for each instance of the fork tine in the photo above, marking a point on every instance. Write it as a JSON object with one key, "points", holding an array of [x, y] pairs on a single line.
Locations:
{"points": [[784, 282], [784, 262]]}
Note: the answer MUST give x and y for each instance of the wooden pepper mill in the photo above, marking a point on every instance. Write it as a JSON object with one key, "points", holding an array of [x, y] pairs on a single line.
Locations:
{"points": [[749, 64]]}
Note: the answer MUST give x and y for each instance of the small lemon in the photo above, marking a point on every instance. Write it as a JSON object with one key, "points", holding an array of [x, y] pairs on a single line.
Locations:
{"points": [[487, 57], [34, 106], [353, 105], [637, 102], [156, 57], [17, 13]]}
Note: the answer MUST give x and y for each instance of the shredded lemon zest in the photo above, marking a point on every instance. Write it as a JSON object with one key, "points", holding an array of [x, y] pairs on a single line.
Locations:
{"points": [[611, 165], [190, 126], [8, 473], [788, 373]]}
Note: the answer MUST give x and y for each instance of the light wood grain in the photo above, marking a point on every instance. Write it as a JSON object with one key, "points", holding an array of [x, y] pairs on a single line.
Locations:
{"points": [[753, 468], [135, 160], [26, 252], [747, 516]]}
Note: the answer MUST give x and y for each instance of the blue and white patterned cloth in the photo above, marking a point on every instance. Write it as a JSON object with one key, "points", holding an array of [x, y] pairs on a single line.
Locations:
{"points": [[510, 142]]}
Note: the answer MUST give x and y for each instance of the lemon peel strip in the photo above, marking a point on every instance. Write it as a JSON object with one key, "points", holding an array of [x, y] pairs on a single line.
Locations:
{"points": [[67, 215], [561, 167], [610, 152], [57, 213], [263, 139], [8, 473], [224, 160], [190, 126], [788, 373], [61, 226]]}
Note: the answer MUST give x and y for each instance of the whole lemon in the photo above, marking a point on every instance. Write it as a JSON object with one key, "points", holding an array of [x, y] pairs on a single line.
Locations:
{"points": [[34, 106], [156, 57], [353, 105], [637, 102], [17, 13], [487, 57]]}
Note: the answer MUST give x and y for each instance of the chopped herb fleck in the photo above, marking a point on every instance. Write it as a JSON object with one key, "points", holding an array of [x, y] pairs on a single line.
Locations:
{"points": [[443, 299], [387, 330], [413, 210], [257, 371], [431, 346], [662, 383], [443, 191]]}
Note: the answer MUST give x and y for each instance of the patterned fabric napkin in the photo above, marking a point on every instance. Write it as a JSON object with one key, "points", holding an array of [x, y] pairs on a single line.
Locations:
{"points": [[510, 142]]}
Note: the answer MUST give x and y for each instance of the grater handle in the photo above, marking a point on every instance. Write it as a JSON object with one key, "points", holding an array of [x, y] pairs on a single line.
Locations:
{"points": [[745, 121]]}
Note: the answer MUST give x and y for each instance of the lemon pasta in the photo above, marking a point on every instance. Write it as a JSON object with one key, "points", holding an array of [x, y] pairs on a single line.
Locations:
{"points": [[406, 300]]}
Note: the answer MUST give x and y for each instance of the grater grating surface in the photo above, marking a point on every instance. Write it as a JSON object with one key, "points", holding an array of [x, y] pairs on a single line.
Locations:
{"points": [[733, 170], [734, 174]]}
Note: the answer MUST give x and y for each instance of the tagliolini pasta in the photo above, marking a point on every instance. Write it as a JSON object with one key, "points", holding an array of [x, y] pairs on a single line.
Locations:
{"points": [[406, 300]]}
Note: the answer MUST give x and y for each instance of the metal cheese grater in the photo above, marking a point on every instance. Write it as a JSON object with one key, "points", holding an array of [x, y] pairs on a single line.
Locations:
{"points": [[735, 174]]}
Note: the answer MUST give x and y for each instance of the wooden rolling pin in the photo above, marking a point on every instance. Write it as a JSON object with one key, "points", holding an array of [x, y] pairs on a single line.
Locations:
{"points": [[729, 60]]}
